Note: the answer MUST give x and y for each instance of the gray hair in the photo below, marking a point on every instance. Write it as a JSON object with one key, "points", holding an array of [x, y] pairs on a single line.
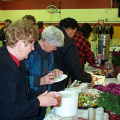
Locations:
{"points": [[54, 35]]}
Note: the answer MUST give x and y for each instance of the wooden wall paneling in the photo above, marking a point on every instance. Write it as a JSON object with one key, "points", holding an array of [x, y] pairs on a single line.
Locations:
{"points": [[27, 4], [65, 4], [0, 5], [86, 4]]}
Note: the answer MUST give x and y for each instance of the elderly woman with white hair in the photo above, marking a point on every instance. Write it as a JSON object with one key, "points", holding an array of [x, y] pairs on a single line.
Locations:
{"points": [[40, 63], [14, 90]]}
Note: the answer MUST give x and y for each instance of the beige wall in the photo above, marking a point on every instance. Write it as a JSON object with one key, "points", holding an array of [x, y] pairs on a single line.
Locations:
{"points": [[81, 15]]}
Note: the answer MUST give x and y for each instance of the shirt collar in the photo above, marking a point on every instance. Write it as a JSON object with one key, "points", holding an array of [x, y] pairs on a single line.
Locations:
{"points": [[15, 59]]}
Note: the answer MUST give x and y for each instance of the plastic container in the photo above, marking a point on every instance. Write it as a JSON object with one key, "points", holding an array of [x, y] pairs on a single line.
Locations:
{"points": [[58, 98], [99, 57], [104, 46], [69, 104]]}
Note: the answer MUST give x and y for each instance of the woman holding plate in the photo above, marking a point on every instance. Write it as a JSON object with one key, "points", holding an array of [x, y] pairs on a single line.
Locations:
{"points": [[40, 63]]}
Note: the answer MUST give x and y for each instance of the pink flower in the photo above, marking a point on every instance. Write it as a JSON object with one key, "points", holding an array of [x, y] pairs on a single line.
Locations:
{"points": [[116, 88], [100, 88], [116, 92], [106, 89], [111, 85]]}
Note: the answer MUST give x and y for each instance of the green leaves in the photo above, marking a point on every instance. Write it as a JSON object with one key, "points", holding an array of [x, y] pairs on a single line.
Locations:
{"points": [[116, 59], [109, 101]]}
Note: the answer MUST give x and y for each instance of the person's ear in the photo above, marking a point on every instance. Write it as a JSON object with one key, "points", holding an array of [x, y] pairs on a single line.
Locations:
{"points": [[46, 40], [19, 45]]}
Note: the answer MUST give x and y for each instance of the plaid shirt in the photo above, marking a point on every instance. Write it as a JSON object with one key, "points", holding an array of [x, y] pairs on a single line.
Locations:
{"points": [[84, 48]]}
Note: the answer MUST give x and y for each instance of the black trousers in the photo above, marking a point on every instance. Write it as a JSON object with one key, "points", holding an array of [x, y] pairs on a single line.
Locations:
{"points": [[111, 35]]}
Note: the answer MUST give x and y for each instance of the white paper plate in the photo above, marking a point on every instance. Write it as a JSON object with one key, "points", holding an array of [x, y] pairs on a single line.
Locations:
{"points": [[75, 89], [58, 79]]}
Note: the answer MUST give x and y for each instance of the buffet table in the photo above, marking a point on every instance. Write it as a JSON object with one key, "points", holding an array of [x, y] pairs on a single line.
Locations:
{"points": [[82, 114], [108, 80]]}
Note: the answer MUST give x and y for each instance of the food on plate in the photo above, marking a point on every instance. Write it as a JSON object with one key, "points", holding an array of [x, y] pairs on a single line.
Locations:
{"points": [[56, 77], [87, 100], [99, 80], [106, 73]]}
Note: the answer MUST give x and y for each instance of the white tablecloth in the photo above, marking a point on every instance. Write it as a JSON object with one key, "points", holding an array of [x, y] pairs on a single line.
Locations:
{"points": [[83, 113]]}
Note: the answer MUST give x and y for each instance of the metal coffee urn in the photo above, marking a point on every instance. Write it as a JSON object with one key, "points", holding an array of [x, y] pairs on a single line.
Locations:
{"points": [[104, 47]]}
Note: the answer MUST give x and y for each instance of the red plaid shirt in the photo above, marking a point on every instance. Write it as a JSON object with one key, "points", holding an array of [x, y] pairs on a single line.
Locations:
{"points": [[84, 48]]}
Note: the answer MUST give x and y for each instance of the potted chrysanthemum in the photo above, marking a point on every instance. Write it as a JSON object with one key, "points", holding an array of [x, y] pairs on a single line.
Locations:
{"points": [[109, 99], [116, 58]]}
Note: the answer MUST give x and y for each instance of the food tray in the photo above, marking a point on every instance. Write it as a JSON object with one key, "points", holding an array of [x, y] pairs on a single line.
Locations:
{"points": [[86, 101], [106, 73]]}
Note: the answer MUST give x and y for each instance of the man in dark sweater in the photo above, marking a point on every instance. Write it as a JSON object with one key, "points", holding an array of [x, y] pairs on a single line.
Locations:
{"points": [[67, 58]]}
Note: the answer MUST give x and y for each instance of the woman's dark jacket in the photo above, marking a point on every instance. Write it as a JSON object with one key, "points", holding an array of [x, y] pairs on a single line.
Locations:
{"points": [[14, 103]]}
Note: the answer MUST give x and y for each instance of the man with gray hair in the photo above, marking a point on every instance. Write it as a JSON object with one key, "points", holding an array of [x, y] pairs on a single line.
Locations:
{"points": [[40, 63]]}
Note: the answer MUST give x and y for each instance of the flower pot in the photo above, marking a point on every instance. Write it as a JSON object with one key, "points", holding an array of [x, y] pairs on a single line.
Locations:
{"points": [[112, 116], [116, 71]]}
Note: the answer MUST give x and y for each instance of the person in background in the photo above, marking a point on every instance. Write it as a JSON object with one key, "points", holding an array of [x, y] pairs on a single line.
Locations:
{"points": [[80, 39], [96, 29], [40, 28], [99, 30], [67, 57], [16, 102], [94, 32], [56, 25], [30, 18], [48, 24], [103, 29], [41, 61], [111, 31], [3, 31], [107, 29]]}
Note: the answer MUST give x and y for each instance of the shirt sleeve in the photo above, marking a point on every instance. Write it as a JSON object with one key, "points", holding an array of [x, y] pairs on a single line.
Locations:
{"points": [[29, 63], [89, 54], [34, 73], [73, 63]]}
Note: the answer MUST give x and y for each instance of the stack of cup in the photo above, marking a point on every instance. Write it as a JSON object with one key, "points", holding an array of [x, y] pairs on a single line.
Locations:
{"points": [[105, 116], [91, 114], [84, 88]]}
